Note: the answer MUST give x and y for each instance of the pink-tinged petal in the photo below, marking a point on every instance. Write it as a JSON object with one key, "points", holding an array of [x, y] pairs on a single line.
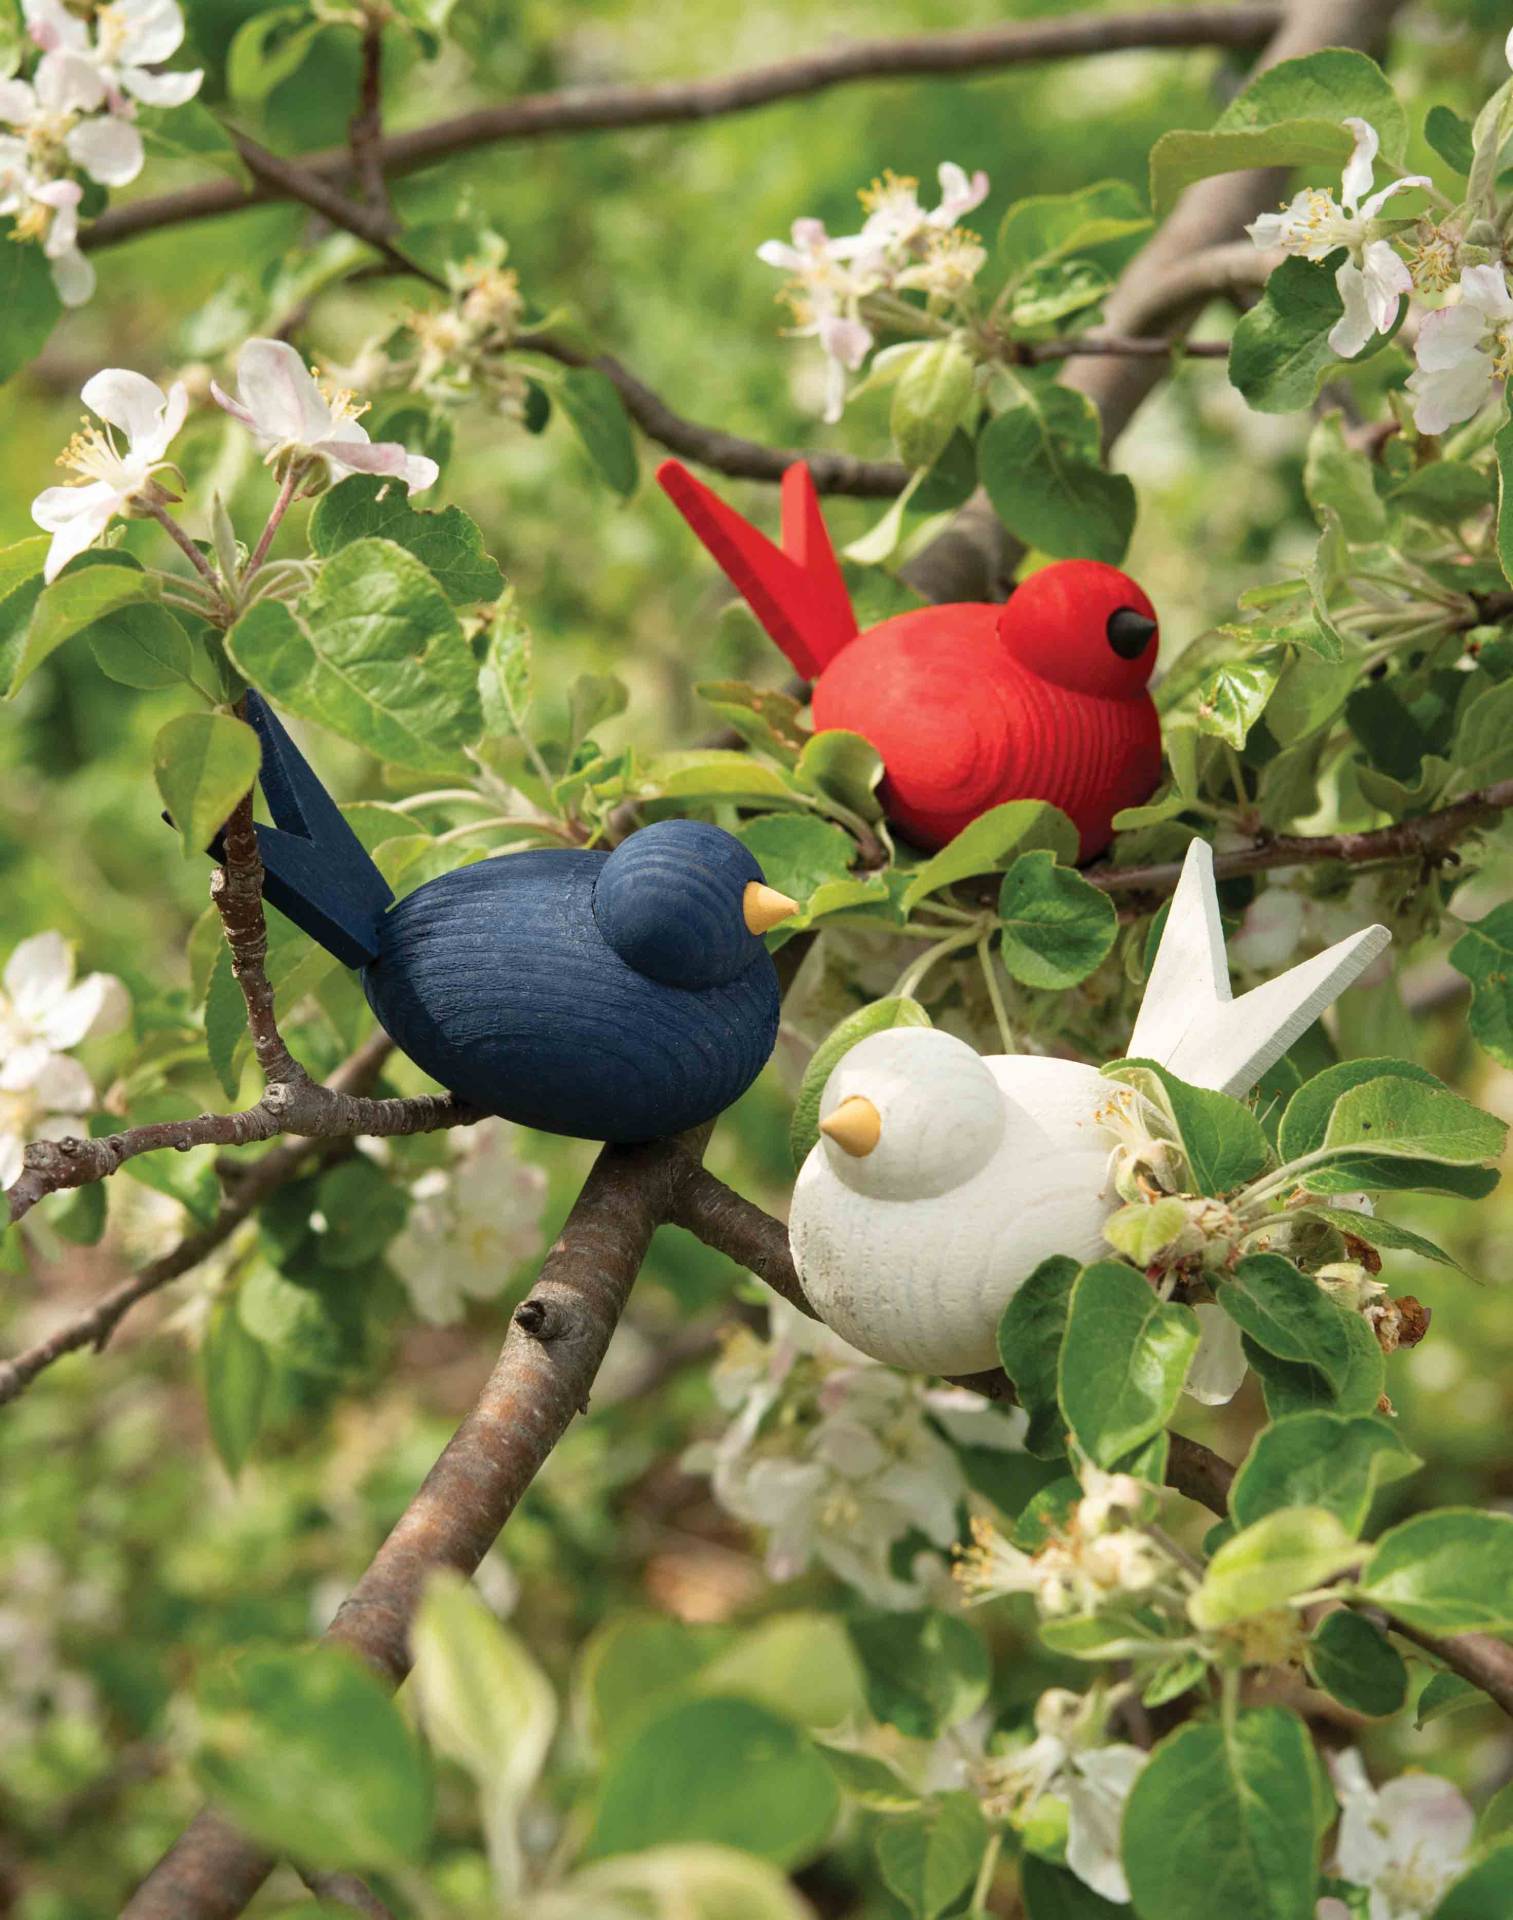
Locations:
{"points": [[234, 407], [155, 31], [420, 472], [1356, 179], [1353, 329], [50, 24], [1486, 288], [1449, 337], [38, 973], [126, 400], [68, 83], [777, 253], [109, 150], [18, 103], [280, 393], [361, 456], [1372, 207], [59, 194], [958, 194], [1443, 399], [162, 89], [63, 1086], [1427, 1817], [845, 340], [75, 527], [1387, 280]]}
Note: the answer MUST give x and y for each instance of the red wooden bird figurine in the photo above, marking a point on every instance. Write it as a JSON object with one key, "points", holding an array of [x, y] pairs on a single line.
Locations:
{"points": [[1043, 698]]}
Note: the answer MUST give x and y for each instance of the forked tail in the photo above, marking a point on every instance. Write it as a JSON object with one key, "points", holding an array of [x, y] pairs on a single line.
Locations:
{"points": [[315, 869], [797, 590], [1189, 1020]]}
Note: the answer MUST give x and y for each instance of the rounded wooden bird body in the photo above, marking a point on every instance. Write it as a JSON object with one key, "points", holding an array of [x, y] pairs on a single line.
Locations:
{"points": [[499, 982], [619, 995], [968, 705]]}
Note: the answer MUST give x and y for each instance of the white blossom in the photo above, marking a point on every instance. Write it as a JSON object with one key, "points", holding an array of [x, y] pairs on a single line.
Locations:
{"points": [[57, 121], [44, 1012], [470, 1224], [112, 478], [1373, 279], [1095, 1780], [1094, 1559], [1404, 1842], [897, 224], [1217, 1370], [130, 39], [47, 210], [1461, 349], [279, 401], [830, 277]]}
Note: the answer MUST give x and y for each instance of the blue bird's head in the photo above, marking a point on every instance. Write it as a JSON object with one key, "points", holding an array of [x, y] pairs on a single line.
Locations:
{"points": [[686, 904]]}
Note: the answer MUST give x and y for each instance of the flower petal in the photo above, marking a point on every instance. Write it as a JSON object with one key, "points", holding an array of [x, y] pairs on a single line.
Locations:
{"points": [[18, 103], [96, 1007], [50, 25], [127, 400], [1374, 205], [109, 150], [278, 390], [154, 31], [39, 973], [1387, 280], [1097, 1786], [1353, 328], [1356, 178], [1443, 398], [75, 517], [1427, 1816], [12, 1158], [1486, 289], [63, 1086], [162, 89], [68, 83], [1218, 1366]]}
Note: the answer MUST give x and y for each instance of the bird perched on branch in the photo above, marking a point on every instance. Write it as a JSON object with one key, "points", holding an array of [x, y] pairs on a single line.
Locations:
{"points": [[943, 1178], [1043, 698], [614, 996]]}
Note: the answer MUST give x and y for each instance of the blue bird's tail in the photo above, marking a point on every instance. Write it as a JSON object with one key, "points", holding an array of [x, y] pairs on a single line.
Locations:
{"points": [[316, 870]]}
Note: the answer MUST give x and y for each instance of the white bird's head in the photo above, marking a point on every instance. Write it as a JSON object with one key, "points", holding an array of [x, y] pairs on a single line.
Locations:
{"points": [[910, 1114]]}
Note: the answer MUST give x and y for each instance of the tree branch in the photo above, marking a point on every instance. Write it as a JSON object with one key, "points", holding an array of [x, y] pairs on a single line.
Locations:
{"points": [[365, 128], [600, 109], [543, 1377]]}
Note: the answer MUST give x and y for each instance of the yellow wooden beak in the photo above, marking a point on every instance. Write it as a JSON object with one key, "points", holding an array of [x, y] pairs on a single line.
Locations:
{"points": [[856, 1126], [764, 906]]}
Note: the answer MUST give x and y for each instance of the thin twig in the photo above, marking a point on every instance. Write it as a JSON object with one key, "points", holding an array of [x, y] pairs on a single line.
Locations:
{"points": [[598, 109], [365, 128]]}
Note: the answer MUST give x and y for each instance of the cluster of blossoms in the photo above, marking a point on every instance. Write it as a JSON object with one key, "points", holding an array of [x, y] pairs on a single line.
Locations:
{"points": [[1097, 1556], [839, 1459], [44, 1092], [1404, 1843], [302, 428], [1463, 346], [461, 351], [836, 281], [75, 116], [471, 1224]]}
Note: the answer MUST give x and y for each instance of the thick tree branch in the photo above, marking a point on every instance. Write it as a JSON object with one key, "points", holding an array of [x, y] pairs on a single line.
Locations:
{"points": [[543, 1377], [597, 109]]}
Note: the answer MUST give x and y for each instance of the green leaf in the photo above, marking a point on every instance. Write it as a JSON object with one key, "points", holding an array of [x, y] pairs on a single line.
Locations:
{"points": [[1241, 1798], [1484, 954], [1039, 461], [764, 717], [1222, 1141], [598, 417], [1444, 493], [1233, 697], [1289, 1552], [799, 1664], [1305, 1127], [985, 846], [307, 1751], [504, 679], [929, 1857], [1377, 1232], [929, 401], [1337, 478], [305, 1325], [225, 1013], [711, 773], [1030, 1332], [484, 1703], [28, 300], [1280, 350], [804, 1127], [872, 1783], [268, 49], [76, 600], [1450, 137], [1055, 927], [1358, 1664], [797, 852], [1145, 1228], [1485, 1890], [1286, 1314], [719, 1771], [448, 543], [204, 764], [1320, 1459], [844, 768], [1053, 1893], [1289, 115], [1123, 1361], [145, 646], [1400, 1116], [1047, 227], [1445, 1572], [375, 653], [1444, 1694], [923, 1671], [1502, 446], [234, 1369]]}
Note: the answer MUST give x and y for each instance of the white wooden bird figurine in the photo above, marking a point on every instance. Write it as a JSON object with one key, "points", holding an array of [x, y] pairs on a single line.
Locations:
{"points": [[943, 1178]]}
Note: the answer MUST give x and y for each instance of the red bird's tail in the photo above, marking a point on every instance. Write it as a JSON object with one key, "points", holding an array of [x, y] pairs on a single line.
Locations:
{"points": [[796, 590]]}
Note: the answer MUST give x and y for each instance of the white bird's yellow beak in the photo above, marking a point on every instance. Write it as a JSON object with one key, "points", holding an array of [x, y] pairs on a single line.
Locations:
{"points": [[856, 1126], [764, 906]]}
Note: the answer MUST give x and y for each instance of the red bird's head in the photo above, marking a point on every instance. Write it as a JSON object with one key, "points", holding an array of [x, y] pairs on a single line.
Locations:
{"points": [[1083, 626]]}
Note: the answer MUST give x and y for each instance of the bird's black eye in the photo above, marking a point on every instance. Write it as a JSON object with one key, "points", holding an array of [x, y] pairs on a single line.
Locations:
{"points": [[1128, 631]]}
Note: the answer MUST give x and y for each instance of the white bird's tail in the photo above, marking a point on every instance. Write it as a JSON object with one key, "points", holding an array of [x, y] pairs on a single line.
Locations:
{"points": [[1189, 1020]]}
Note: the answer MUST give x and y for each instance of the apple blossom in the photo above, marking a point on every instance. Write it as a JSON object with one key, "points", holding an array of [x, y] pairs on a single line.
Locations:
{"points": [[1461, 349], [470, 1225], [44, 1012], [47, 210], [1374, 278], [1404, 1842], [114, 480], [130, 38], [57, 120], [1093, 1560], [830, 279], [896, 223], [1217, 1369], [281, 405]]}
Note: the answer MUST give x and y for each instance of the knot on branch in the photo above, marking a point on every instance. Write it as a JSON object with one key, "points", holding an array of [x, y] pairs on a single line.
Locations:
{"points": [[541, 1319]]}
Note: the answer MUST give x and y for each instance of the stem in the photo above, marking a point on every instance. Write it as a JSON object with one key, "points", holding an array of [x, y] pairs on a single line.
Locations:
{"points": [[529, 821], [281, 506], [995, 992], [986, 1871], [908, 981], [182, 540]]}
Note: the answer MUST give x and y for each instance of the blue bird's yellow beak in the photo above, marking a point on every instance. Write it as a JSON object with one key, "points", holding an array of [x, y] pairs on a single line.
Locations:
{"points": [[764, 906]]}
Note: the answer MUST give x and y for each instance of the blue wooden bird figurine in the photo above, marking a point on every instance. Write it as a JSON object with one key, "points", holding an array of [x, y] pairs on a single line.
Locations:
{"points": [[611, 995]]}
